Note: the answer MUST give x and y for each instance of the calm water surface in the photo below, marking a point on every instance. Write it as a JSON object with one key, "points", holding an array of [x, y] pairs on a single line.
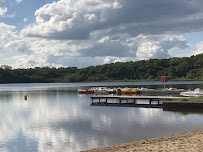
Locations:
{"points": [[55, 118]]}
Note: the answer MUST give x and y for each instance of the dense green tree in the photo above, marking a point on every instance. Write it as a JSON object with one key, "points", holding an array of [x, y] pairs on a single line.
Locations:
{"points": [[187, 68]]}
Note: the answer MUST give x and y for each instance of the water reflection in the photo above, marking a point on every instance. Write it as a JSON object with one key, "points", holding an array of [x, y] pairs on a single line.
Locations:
{"points": [[188, 111], [60, 120]]}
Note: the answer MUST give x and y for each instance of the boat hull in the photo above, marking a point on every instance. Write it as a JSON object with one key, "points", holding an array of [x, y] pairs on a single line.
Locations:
{"points": [[80, 91]]}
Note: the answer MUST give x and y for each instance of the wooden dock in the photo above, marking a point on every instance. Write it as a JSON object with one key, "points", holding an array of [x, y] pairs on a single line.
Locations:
{"points": [[131, 101]]}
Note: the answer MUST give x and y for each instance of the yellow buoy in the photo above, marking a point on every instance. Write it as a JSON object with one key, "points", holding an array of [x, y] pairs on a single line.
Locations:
{"points": [[25, 97]]}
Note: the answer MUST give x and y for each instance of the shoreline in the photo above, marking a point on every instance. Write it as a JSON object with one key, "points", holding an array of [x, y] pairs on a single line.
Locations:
{"points": [[189, 141]]}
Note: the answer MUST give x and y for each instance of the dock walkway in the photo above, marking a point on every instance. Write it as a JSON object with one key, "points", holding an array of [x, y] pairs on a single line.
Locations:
{"points": [[130, 101]]}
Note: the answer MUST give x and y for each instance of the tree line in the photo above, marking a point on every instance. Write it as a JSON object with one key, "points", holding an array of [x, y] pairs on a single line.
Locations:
{"points": [[186, 68]]}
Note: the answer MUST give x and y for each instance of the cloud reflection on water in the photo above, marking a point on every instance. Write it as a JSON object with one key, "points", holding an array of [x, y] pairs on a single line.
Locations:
{"points": [[56, 120]]}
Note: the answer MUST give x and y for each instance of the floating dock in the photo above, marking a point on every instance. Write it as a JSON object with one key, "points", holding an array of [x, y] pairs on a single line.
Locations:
{"points": [[159, 92], [131, 101]]}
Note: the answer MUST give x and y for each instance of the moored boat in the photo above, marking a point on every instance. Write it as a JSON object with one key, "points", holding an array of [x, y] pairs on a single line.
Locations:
{"points": [[195, 93], [100, 90], [85, 91], [120, 91]]}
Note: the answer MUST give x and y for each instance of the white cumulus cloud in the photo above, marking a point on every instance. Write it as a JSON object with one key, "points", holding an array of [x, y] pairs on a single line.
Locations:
{"points": [[3, 11], [7, 34], [73, 19], [199, 48], [82, 33], [77, 19], [159, 46]]}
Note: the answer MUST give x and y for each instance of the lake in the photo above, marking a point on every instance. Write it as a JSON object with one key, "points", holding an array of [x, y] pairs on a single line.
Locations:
{"points": [[55, 118]]}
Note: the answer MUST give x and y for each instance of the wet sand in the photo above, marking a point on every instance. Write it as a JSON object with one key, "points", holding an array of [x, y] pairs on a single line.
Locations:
{"points": [[186, 142]]}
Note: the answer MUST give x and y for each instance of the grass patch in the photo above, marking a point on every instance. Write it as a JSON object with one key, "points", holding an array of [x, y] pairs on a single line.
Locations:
{"points": [[189, 99]]}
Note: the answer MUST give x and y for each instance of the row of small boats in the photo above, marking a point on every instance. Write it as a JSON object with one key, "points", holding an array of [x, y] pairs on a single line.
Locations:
{"points": [[95, 90], [105, 91], [124, 91]]}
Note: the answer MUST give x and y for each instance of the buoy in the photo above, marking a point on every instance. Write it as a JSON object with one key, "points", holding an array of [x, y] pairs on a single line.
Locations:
{"points": [[25, 97]]}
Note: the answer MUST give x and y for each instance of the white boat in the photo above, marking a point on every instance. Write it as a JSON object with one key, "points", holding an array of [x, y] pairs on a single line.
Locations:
{"points": [[197, 92], [102, 90]]}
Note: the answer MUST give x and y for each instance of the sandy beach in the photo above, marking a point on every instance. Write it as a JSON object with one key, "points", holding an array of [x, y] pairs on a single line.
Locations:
{"points": [[187, 142]]}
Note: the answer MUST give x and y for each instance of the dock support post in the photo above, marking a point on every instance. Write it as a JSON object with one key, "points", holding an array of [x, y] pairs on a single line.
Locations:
{"points": [[106, 100], [150, 102], [99, 100]]}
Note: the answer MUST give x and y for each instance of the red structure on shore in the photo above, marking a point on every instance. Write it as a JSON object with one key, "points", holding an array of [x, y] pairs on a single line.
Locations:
{"points": [[164, 78]]}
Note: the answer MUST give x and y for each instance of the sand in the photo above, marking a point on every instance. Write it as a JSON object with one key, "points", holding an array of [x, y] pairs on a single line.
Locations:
{"points": [[186, 142]]}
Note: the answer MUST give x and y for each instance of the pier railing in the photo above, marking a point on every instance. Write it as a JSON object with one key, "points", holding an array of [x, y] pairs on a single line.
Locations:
{"points": [[131, 101]]}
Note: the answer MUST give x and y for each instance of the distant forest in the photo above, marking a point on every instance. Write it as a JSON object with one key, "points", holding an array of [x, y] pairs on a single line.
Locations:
{"points": [[186, 68]]}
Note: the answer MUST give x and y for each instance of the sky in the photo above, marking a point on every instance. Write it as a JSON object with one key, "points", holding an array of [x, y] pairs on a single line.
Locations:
{"points": [[81, 33]]}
